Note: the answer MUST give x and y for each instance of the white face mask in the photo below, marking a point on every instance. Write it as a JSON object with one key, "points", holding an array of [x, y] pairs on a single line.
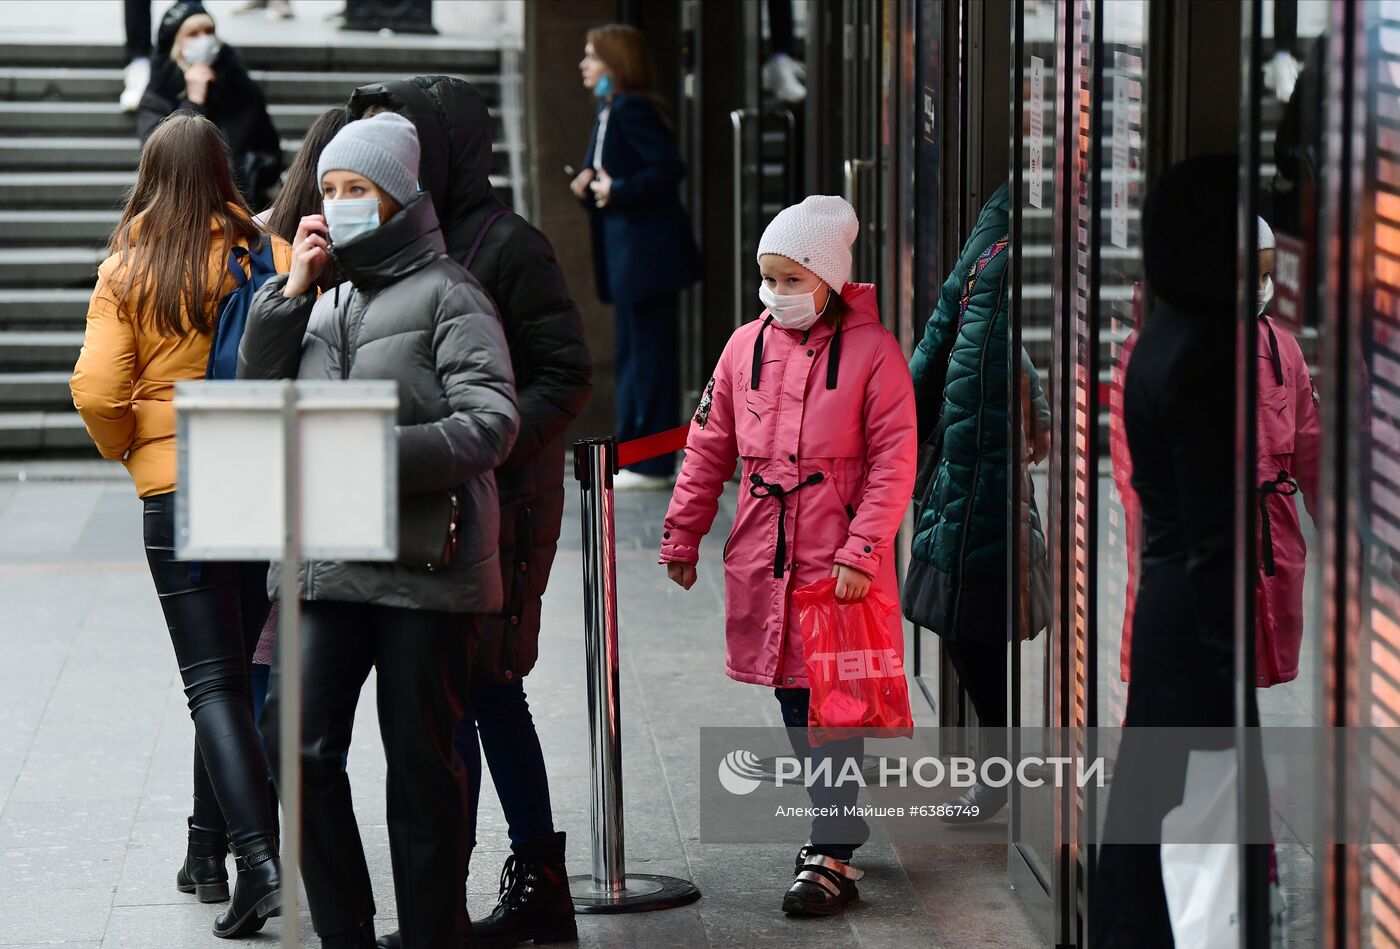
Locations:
{"points": [[348, 218], [792, 311], [202, 50], [1266, 295]]}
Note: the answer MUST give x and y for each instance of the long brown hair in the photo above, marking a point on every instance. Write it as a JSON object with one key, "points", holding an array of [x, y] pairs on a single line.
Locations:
{"points": [[184, 190], [301, 189], [626, 53]]}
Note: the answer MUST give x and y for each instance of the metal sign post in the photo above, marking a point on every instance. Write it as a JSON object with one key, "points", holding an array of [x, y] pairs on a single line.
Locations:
{"points": [[609, 888], [285, 471]]}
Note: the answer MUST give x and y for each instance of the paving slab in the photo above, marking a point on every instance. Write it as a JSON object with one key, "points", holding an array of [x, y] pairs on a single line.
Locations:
{"points": [[96, 746]]}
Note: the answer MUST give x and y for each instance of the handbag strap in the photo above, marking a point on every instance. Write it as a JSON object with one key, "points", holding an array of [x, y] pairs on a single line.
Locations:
{"points": [[481, 236]]}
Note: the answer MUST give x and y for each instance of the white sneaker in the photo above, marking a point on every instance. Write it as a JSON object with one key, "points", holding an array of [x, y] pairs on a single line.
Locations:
{"points": [[781, 78], [137, 75], [631, 481], [1281, 73]]}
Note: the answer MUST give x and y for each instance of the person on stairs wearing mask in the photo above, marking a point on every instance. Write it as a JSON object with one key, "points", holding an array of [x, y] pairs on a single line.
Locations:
{"points": [[193, 71], [410, 314]]}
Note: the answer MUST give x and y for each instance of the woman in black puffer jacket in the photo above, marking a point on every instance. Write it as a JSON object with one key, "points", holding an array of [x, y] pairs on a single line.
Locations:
{"points": [[516, 265], [410, 314]]}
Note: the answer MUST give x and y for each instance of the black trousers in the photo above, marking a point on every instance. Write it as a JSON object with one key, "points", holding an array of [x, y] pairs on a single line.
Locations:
{"points": [[422, 663], [138, 29], [215, 612], [981, 667]]}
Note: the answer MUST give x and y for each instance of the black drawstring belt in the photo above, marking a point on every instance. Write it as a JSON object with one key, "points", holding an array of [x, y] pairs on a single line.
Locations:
{"points": [[1286, 486], [833, 359], [760, 489], [1273, 352]]}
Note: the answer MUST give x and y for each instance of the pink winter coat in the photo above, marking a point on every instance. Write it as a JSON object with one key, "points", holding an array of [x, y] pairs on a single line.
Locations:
{"points": [[1289, 437], [852, 450]]}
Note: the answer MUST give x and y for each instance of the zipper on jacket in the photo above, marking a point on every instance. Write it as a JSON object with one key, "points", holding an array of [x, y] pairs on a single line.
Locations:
{"points": [[346, 350], [977, 464]]}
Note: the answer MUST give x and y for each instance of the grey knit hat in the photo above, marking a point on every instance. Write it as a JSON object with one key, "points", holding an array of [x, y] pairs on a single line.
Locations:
{"points": [[383, 148]]}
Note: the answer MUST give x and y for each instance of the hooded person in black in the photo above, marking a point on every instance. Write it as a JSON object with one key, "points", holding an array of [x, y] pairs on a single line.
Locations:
{"points": [[516, 265], [1181, 373], [230, 99]]}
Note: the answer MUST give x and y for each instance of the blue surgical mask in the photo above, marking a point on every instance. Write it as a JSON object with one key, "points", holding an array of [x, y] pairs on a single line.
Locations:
{"points": [[603, 87], [348, 218]]}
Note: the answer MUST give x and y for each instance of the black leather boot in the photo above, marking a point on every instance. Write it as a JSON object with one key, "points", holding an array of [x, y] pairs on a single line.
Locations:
{"points": [[257, 893], [205, 873], [535, 903]]}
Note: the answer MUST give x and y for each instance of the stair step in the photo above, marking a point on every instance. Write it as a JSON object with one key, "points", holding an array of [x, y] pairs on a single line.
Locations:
{"points": [[34, 351], [65, 189], [49, 266], [52, 153], [346, 53], [31, 228], [47, 432], [36, 390], [44, 308], [29, 83], [49, 117]]}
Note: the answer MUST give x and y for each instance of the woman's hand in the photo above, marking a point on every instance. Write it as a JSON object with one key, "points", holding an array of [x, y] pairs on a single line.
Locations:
{"points": [[309, 255], [851, 584], [579, 186], [197, 80], [681, 574], [602, 188]]}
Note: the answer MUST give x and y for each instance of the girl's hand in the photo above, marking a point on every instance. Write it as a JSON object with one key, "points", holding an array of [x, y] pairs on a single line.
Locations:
{"points": [[197, 80], [579, 186], [602, 188], [681, 574], [309, 256], [851, 584]]}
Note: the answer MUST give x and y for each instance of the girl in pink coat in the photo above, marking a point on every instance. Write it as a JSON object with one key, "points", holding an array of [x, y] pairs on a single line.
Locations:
{"points": [[815, 398]]}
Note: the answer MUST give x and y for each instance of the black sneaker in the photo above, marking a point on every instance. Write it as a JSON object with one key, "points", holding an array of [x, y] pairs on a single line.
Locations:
{"points": [[823, 887]]}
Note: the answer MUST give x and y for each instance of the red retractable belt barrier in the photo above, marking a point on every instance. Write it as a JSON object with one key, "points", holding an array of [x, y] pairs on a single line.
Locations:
{"points": [[641, 449]]}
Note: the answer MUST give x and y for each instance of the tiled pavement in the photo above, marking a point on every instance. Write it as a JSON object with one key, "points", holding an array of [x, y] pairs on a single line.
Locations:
{"points": [[95, 745]]}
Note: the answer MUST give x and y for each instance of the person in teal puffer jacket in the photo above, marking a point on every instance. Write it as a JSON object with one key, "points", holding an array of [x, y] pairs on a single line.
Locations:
{"points": [[956, 585]]}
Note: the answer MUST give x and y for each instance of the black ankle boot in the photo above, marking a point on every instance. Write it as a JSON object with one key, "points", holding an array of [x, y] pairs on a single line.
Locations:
{"points": [[205, 874], [258, 892], [535, 902]]}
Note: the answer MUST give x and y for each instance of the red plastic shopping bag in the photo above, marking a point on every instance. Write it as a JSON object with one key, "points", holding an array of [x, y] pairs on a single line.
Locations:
{"points": [[854, 669]]}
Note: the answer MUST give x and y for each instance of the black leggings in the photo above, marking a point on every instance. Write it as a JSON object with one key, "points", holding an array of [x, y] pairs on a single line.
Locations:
{"points": [[215, 612], [422, 663], [981, 668]]}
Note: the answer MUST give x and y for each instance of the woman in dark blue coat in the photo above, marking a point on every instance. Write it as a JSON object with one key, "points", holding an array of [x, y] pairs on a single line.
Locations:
{"points": [[644, 253]]}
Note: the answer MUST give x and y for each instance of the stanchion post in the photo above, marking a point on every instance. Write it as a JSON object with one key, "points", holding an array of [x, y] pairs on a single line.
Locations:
{"points": [[608, 888], [289, 669]]}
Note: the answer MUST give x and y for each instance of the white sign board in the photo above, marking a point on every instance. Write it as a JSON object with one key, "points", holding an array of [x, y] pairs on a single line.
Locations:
{"points": [[231, 441], [1034, 188], [1118, 213]]}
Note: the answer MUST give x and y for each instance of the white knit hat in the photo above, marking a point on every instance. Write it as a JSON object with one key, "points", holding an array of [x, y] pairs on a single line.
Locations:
{"points": [[1266, 236], [817, 234]]}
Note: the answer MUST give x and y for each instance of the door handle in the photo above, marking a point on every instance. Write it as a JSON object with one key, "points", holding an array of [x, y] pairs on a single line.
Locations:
{"points": [[853, 167], [737, 119]]}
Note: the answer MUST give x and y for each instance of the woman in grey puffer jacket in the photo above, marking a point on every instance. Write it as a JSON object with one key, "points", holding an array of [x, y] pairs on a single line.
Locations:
{"points": [[410, 314]]}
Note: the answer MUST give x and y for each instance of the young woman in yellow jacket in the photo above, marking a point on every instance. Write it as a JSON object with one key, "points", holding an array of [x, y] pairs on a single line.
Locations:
{"points": [[150, 325]]}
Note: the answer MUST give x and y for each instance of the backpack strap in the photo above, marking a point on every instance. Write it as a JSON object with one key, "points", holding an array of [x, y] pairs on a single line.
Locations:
{"points": [[481, 236], [259, 261]]}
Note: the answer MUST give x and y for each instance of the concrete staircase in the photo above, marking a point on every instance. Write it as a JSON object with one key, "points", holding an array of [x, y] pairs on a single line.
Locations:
{"points": [[68, 157]]}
